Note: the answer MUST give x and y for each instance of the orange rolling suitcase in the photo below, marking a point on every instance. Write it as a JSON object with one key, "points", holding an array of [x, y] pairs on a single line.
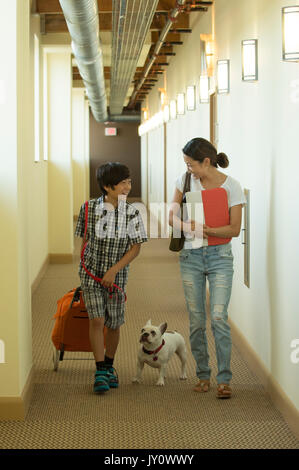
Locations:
{"points": [[71, 329]]}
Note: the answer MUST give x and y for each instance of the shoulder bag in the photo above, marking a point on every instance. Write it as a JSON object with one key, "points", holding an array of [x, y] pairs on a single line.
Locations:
{"points": [[176, 244]]}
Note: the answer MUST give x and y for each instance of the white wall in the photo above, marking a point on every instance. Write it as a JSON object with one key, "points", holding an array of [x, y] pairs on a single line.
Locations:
{"points": [[87, 152], [156, 165], [38, 189], [144, 169], [78, 148], [258, 129], [60, 178], [184, 69], [16, 144]]}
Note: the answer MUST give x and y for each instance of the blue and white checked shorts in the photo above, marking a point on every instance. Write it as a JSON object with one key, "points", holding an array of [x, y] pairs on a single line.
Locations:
{"points": [[99, 305]]}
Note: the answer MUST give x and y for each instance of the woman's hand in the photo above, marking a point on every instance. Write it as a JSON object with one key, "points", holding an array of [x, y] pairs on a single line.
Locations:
{"points": [[196, 228], [109, 278], [208, 232], [205, 231]]}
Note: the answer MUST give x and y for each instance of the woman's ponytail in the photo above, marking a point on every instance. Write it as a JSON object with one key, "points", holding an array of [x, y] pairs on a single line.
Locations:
{"points": [[222, 160]]}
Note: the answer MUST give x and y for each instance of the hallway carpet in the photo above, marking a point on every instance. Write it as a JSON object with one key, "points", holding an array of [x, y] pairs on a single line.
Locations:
{"points": [[65, 414]]}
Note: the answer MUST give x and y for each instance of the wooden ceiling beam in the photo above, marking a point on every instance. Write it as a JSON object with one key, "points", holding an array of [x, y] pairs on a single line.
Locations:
{"points": [[107, 69], [160, 20], [105, 6], [55, 23], [169, 38]]}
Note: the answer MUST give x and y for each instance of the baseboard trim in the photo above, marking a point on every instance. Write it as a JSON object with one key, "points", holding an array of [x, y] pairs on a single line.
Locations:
{"points": [[279, 398], [277, 394], [16, 408], [40, 275], [61, 258]]}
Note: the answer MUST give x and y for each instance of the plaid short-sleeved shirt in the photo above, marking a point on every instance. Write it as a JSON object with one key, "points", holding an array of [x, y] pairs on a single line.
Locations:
{"points": [[110, 235]]}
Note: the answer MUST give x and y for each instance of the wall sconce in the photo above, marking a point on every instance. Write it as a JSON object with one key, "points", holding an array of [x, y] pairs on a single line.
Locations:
{"points": [[212, 85], [158, 119], [181, 103], [210, 57], [145, 114], [290, 34], [191, 98], [249, 60], [223, 76], [204, 89], [166, 113], [162, 93], [207, 54], [141, 130], [173, 109]]}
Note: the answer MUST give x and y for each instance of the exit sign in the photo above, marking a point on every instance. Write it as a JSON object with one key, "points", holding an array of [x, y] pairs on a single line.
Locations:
{"points": [[110, 131]]}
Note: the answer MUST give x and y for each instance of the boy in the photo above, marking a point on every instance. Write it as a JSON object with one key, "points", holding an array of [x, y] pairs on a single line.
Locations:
{"points": [[115, 232]]}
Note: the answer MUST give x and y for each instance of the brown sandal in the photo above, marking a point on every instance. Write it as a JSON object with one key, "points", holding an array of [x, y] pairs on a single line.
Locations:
{"points": [[224, 391], [203, 386]]}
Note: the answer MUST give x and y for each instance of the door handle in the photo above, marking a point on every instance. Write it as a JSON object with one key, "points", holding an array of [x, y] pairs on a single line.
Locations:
{"points": [[243, 236]]}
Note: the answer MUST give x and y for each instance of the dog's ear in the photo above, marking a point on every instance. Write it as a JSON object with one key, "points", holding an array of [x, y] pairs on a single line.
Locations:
{"points": [[149, 323], [163, 328]]}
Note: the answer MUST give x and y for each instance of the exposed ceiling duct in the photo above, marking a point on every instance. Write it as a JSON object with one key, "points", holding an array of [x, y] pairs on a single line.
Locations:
{"points": [[124, 118], [131, 22], [82, 18], [174, 13]]}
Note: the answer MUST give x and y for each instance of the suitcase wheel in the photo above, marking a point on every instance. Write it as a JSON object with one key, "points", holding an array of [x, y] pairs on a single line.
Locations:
{"points": [[55, 358]]}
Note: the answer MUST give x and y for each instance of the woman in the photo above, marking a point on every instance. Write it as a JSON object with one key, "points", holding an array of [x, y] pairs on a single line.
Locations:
{"points": [[214, 262]]}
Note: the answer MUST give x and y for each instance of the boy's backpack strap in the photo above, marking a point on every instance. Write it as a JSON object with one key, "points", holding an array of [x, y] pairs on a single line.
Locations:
{"points": [[97, 279], [86, 220]]}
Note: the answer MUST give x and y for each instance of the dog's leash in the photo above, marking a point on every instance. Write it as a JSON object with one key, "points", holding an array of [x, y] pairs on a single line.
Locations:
{"points": [[97, 279]]}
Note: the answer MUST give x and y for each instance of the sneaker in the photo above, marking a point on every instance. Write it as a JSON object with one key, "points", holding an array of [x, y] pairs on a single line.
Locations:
{"points": [[113, 377], [101, 383]]}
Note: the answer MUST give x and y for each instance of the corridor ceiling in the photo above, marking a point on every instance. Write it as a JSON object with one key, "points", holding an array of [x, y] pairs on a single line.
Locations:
{"points": [[54, 31]]}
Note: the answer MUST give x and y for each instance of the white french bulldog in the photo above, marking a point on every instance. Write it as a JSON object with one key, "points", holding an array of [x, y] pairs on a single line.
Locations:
{"points": [[156, 349]]}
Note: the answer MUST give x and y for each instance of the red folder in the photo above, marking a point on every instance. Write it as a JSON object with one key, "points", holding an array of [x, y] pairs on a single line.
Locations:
{"points": [[215, 206]]}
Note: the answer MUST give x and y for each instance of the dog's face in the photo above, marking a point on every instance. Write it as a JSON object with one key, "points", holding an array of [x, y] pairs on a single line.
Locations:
{"points": [[151, 334]]}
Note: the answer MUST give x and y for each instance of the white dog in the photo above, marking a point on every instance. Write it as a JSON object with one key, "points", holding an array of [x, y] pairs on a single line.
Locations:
{"points": [[156, 349]]}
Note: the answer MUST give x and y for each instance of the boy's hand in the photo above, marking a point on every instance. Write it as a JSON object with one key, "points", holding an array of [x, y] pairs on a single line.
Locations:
{"points": [[109, 278]]}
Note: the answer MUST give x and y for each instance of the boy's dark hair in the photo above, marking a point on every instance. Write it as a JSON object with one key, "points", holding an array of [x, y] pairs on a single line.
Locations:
{"points": [[110, 174], [198, 149]]}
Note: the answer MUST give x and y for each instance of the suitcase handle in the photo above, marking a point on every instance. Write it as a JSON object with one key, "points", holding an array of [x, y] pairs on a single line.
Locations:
{"points": [[76, 296]]}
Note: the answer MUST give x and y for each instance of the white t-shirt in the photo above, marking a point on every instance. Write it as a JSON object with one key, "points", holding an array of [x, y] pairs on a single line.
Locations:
{"points": [[235, 195]]}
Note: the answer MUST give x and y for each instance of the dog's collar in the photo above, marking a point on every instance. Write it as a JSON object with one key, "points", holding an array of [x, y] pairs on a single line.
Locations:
{"points": [[154, 352]]}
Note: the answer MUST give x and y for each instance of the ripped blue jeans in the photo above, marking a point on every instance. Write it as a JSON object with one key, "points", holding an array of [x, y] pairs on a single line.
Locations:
{"points": [[216, 264]]}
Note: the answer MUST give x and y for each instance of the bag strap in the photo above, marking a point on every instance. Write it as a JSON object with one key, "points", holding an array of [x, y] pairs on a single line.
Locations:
{"points": [[97, 279], [76, 296], [187, 183]]}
